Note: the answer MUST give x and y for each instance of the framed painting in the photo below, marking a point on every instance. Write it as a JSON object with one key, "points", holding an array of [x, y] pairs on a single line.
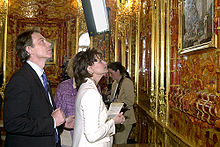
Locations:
{"points": [[196, 26], [52, 60]]}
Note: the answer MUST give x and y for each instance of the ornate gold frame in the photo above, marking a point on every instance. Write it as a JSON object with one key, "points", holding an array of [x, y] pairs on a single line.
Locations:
{"points": [[205, 45], [4, 55], [4, 19], [53, 60]]}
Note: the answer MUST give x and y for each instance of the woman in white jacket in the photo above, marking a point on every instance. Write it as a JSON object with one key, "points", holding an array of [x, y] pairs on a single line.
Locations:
{"points": [[92, 126]]}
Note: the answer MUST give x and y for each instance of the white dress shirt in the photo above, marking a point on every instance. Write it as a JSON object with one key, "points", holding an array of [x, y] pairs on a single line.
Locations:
{"points": [[39, 72]]}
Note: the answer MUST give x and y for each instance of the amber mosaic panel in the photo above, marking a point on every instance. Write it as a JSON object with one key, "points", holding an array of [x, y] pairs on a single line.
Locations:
{"points": [[174, 60], [197, 134], [198, 72], [194, 99]]}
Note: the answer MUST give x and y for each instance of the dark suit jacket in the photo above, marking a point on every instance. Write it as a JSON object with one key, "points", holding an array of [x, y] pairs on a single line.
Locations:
{"points": [[27, 111]]}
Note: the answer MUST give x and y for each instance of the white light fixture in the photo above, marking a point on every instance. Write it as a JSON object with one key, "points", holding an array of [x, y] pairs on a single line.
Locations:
{"points": [[96, 16], [100, 16]]}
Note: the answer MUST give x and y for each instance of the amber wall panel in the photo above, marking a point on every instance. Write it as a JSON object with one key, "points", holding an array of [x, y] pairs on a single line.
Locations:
{"points": [[193, 131], [194, 88], [198, 72], [174, 44]]}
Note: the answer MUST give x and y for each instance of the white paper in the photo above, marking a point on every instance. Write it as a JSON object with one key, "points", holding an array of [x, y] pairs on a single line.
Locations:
{"points": [[114, 109]]}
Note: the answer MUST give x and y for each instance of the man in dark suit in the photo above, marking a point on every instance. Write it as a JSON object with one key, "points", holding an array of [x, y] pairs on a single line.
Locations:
{"points": [[30, 115]]}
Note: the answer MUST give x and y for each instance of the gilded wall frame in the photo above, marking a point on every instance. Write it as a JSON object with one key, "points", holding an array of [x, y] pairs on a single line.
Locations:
{"points": [[52, 60], [196, 26]]}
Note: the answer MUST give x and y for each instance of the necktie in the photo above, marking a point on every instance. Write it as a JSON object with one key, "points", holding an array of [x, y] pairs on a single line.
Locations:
{"points": [[46, 89], [45, 81]]}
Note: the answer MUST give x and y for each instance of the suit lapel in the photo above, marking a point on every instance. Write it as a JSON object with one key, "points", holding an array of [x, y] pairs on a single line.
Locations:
{"points": [[40, 85]]}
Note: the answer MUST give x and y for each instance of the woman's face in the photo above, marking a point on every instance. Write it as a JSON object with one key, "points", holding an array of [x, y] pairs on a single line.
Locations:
{"points": [[99, 68], [115, 75]]}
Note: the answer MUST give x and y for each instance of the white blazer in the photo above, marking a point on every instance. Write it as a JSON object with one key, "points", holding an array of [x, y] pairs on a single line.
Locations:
{"points": [[92, 127]]}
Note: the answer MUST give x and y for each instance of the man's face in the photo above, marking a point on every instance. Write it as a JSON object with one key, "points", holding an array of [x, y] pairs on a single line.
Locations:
{"points": [[41, 49]]}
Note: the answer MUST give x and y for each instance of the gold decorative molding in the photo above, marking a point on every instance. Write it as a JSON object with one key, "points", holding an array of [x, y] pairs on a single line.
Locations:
{"points": [[53, 60], [157, 56], [162, 104], [77, 28], [129, 47], [153, 37], [91, 42], [82, 22], [5, 22], [137, 51], [197, 42], [126, 12], [167, 60], [123, 50]]}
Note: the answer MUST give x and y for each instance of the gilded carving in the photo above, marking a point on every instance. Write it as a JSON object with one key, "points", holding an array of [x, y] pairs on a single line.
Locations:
{"points": [[39, 8]]}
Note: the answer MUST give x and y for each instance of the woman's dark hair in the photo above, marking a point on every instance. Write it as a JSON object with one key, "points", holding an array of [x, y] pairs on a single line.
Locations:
{"points": [[23, 40], [81, 61], [117, 66]]}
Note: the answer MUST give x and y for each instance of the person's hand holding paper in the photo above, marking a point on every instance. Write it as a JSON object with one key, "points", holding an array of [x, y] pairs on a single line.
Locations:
{"points": [[116, 108], [119, 118]]}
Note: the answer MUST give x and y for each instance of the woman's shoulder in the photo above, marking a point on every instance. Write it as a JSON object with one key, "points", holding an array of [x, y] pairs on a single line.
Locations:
{"points": [[127, 81], [88, 90], [66, 83], [89, 85]]}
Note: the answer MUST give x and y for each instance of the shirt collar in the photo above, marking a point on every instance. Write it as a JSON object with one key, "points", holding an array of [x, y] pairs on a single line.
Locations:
{"points": [[36, 68]]}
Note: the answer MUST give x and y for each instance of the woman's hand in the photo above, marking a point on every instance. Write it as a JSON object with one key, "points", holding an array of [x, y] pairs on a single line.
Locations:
{"points": [[119, 118], [69, 124]]}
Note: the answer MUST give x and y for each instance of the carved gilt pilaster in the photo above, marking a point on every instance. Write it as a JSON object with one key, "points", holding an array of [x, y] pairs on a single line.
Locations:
{"points": [[152, 95], [3, 33]]}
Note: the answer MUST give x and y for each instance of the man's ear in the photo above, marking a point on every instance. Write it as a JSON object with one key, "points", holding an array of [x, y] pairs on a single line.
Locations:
{"points": [[28, 49]]}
